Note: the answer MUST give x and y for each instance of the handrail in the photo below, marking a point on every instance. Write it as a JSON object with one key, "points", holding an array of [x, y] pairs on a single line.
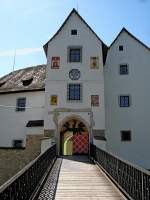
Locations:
{"points": [[23, 184], [131, 179]]}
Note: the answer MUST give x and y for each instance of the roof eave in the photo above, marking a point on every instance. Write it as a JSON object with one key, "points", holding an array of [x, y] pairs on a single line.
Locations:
{"points": [[21, 91], [45, 47]]}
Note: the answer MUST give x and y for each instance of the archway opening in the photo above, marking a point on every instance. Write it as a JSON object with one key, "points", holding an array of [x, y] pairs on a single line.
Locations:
{"points": [[74, 138]]}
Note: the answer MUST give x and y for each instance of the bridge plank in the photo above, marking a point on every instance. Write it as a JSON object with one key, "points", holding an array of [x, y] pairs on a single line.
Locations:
{"points": [[83, 180]]}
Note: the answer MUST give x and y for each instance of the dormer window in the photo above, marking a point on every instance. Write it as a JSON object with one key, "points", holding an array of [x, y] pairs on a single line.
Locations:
{"points": [[27, 82], [2, 83], [73, 32]]}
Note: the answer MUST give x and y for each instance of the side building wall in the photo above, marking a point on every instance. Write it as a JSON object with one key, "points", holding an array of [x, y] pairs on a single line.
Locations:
{"points": [[13, 123], [135, 118]]}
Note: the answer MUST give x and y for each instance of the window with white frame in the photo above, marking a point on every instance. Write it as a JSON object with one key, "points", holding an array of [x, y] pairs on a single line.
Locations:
{"points": [[124, 101], [21, 104], [74, 54], [124, 69], [74, 92]]}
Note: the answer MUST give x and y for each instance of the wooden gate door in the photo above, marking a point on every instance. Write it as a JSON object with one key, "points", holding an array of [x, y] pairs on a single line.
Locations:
{"points": [[81, 143], [75, 137]]}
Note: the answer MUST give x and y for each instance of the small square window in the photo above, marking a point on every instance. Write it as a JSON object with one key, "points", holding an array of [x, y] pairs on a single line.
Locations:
{"points": [[125, 135], [74, 54], [120, 47], [124, 101], [124, 69], [17, 143], [21, 104], [74, 92], [74, 32]]}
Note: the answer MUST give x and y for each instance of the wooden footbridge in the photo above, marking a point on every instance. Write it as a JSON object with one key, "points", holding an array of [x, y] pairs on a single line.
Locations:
{"points": [[83, 180], [101, 175]]}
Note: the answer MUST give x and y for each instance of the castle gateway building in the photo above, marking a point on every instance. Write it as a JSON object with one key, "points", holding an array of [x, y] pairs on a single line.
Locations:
{"points": [[87, 93], [74, 86]]}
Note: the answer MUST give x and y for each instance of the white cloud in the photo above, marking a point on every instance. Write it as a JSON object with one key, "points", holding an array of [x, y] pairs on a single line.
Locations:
{"points": [[24, 51]]}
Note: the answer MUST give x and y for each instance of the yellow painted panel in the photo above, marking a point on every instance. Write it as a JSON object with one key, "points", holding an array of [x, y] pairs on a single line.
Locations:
{"points": [[68, 144]]}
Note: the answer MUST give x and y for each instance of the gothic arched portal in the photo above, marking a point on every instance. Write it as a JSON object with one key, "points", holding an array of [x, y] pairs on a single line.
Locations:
{"points": [[74, 138]]}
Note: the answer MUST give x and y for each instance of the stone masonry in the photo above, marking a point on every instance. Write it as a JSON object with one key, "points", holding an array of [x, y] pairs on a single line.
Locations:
{"points": [[13, 160]]}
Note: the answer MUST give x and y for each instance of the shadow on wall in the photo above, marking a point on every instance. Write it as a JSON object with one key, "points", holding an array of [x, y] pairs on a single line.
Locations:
{"points": [[13, 160]]}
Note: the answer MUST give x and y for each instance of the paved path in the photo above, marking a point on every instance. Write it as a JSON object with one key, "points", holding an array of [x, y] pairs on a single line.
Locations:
{"points": [[79, 179]]}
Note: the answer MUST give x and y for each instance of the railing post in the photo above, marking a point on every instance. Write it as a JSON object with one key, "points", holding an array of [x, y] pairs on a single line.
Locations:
{"points": [[142, 186], [23, 184], [132, 180], [117, 169]]}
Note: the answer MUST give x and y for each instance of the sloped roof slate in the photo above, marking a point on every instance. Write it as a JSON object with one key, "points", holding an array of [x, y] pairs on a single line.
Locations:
{"points": [[13, 82]]}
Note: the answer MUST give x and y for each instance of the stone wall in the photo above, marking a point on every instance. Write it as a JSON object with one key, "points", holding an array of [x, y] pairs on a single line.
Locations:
{"points": [[13, 160]]}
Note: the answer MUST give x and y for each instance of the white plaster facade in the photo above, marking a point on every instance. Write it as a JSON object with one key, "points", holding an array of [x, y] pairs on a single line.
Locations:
{"points": [[136, 84], [13, 123], [92, 80]]}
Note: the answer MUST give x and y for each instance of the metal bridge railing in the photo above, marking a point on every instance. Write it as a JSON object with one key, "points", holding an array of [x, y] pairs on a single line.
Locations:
{"points": [[132, 180], [23, 185]]}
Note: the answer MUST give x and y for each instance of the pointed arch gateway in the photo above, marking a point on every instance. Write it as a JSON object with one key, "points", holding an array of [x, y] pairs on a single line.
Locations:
{"points": [[74, 137]]}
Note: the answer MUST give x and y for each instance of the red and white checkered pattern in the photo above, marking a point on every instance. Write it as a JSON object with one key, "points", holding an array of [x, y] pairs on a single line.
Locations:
{"points": [[81, 143]]}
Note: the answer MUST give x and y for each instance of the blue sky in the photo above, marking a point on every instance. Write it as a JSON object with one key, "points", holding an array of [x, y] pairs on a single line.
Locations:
{"points": [[27, 25]]}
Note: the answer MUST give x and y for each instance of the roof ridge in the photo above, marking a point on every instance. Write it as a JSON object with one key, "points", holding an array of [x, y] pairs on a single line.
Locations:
{"points": [[133, 36], [41, 65], [63, 24]]}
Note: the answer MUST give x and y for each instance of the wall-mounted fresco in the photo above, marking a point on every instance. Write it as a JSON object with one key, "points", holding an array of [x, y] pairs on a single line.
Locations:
{"points": [[94, 62], [53, 100], [94, 100], [55, 63]]}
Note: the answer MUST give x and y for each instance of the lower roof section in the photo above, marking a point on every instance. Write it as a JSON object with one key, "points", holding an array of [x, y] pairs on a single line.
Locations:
{"points": [[24, 80]]}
